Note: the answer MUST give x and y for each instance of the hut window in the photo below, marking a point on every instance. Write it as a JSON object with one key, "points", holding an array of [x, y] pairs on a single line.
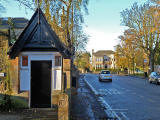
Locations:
{"points": [[57, 60], [24, 60]]}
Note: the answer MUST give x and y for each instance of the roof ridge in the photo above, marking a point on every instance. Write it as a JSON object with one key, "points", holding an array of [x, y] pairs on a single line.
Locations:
{"points": [[27, 33]]}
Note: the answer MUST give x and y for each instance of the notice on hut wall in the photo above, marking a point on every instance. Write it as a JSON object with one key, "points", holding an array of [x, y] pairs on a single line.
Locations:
{"points": [[66, 64]]}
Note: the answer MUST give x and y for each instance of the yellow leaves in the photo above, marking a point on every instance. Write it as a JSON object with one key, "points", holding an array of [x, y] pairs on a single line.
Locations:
{"points": [[155, 1], [153, 29], [83, 60], [40, 2], [127, 51]]}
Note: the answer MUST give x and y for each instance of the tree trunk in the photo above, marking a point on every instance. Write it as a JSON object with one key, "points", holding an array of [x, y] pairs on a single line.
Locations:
{"points": [[151, 62], [133, 66]]}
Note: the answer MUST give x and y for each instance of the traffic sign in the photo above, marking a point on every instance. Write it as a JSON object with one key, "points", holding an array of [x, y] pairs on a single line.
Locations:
{"points": [[145, 61]]}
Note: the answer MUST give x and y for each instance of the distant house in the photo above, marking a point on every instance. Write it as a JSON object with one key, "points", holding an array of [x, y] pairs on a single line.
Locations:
{"points": [[103, 59], [12, 24], [19, 22]]}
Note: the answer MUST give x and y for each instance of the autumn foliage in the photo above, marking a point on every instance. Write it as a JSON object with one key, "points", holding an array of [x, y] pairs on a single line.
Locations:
{"points": [[141, 40]]}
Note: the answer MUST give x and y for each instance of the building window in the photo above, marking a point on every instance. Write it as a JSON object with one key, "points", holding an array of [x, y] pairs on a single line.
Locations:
{"points": [[57, 60], [24, 60], [101, 66], [96, 66], [106, 66], [100, 59]]}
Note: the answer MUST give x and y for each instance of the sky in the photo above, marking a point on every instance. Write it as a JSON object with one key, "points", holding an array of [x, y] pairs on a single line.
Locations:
{"points": [[102, 24]]}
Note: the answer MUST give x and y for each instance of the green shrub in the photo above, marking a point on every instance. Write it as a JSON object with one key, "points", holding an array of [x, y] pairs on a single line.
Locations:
{"points": [[18, 103], [8, 103], [5, 103]]}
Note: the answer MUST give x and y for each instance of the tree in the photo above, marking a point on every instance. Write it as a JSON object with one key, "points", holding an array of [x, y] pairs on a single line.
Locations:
{"points": [[5, 83], [143, 21], [155, 1], [128, 55], [121, 60], [66, 18], [82, 61], [4, 63], [2, 8]]}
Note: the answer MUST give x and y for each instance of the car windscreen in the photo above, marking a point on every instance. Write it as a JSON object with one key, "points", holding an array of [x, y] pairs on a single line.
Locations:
{"points": [[154, 74], [105, 72]]}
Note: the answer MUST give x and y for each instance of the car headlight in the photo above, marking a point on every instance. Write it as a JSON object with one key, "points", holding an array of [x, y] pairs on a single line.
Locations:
{"points": [[159, 79]]}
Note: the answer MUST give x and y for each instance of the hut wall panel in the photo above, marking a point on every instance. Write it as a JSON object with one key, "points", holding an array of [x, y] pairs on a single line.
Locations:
{"points": [[24, 81], [38, 56]]}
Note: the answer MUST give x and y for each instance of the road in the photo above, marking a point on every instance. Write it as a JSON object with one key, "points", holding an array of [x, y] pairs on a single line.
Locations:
{"points": [[128, 98]]}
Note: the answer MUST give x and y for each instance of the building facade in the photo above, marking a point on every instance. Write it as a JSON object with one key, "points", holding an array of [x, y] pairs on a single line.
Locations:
{"points": [[103, 59]]}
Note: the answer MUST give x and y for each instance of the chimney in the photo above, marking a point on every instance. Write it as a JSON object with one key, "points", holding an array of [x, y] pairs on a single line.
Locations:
{"points": [[92, 51]]}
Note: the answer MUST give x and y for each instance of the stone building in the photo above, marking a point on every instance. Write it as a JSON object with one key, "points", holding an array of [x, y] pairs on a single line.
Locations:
{"points": [[103, 59]]}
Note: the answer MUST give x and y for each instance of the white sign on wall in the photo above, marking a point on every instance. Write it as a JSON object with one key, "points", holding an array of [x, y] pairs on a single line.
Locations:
{"points": [[2, 74]]}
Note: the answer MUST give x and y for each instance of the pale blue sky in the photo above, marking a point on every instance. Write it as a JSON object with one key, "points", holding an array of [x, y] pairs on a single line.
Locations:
{"points": [[102, 24]]}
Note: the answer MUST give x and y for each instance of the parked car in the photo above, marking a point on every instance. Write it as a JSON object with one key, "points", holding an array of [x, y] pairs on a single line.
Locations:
{"points": [[154, 77], [105, 75]]}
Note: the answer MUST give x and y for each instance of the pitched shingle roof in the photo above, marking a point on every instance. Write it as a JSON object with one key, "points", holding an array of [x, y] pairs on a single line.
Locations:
{"points": [[38, 35], [103, 52], [18, 22]]}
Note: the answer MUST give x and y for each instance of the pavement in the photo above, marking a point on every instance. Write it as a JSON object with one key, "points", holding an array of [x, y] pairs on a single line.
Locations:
{"points": [[85, 105], [31, 114]]}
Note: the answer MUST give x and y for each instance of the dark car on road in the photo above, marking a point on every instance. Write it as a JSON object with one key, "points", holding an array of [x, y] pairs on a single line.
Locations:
{"points": [[154, 77], [105, 75]]}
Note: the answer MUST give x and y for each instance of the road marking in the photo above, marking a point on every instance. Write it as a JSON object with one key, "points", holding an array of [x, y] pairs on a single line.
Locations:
{"points": [[141, 96], [151, 100], [93, 89], [109, 91], [120, 109], [123, 114], [128, 90], [109, 111]]}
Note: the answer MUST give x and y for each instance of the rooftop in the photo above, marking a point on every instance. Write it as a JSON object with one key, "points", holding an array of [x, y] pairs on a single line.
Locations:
{"points": [[103, 52], [18, 22]]}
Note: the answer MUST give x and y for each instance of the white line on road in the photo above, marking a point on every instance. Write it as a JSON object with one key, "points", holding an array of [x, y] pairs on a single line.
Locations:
{"points": [[141, 96], [109, 111], [120, 109], [93, 90], [151, 100], [123, 114], [109, 92]]}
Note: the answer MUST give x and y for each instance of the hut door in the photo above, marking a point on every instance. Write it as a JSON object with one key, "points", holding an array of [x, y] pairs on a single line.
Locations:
{"points": [[41, 84]]}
